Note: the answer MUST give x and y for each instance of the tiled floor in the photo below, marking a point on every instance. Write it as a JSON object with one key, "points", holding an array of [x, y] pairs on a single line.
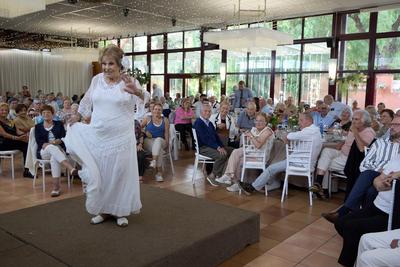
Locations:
{"points": [[291, 234]]}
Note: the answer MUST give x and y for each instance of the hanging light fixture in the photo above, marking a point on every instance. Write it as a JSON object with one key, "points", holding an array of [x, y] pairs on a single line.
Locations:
{"points": [[251, 40], [16, 8]]}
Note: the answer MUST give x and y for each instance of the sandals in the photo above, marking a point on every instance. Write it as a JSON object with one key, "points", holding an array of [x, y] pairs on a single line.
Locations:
{"points": [[121, 221], [97, 219]]}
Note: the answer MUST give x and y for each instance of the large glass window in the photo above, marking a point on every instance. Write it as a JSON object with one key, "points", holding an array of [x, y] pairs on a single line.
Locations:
{"points": [[288, 58], [357, 22], [387, 90], [387, 20], [212, 85], [292, 26], [260, 84], [316, 57], [387, 55], [157, 79], [175, 40], [192, 62], [114, 42], [236, 61], [126, 45], [157, 42], [140, 44], [320, 26], [267, 25], [356, 55], [192, 86], [314, 87], [192, 39], [232, 81], [350, 94], [101, 44], [260, 62], [175, 86], [140, 62], [286, 85], [212, 61], [175, 64], [157, 63]]}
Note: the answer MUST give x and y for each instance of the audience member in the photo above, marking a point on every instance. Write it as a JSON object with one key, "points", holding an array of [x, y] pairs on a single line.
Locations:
{"points": [[12, 102], [374, 117], [336, 109], [183, 122], [141, 153], [242, 95], [386, 117], [157, 92], [381, 107], [22, 122], [354, 106], [247, 117], [214, 105], [290, 108], [224, 125]]}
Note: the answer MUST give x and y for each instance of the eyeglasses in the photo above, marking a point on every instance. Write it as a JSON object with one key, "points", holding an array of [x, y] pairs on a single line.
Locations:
{"points": [[394, 124]]}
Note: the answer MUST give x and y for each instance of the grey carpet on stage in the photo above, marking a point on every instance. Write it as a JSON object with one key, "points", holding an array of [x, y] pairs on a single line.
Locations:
{"points": [[172, 230]]}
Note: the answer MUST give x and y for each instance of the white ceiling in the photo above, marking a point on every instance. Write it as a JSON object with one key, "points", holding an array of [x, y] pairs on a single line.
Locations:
{"points": [[105, 18]]}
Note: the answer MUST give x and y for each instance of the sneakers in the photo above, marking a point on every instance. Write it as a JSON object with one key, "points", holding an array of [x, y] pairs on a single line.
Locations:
{"points": [[97, 219], [212, 181], [152, 163], [233, 188], [247, 188], [159, 178], [55, 193], [224, 179], [122, 222]]}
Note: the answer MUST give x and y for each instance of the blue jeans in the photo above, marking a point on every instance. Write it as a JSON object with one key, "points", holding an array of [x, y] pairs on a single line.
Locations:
{"points": [[362, 189], [269, 173]]}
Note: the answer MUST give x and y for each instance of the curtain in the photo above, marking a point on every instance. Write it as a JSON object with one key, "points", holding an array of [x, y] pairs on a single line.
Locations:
{"points": [[42, 71]]}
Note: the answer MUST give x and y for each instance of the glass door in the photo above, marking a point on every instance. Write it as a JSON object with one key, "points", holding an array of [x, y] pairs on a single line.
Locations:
{"points": [[175, 86], [186, 86]]}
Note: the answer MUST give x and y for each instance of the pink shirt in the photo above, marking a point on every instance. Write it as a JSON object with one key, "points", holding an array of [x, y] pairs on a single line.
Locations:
{"points": [[180, 113], [368, 134]]}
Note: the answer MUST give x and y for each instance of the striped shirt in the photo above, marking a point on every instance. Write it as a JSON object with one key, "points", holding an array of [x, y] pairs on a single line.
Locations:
{"points": [[381, 152]]}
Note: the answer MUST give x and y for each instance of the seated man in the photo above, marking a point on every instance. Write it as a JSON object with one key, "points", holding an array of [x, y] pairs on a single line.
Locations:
{"points": [[374, 218], [335, 159], [381, 152], [210, 144], [247, 117], [308, 131], [334, 113], [379, 249]]}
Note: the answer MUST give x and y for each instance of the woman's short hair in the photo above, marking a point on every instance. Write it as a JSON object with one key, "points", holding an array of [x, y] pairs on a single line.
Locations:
{"points": [[20, 107], [366, 117], [348, 110], [265, 116], [114, 52], [388, 111], [2, 105], [48, 108], [158, 104]]}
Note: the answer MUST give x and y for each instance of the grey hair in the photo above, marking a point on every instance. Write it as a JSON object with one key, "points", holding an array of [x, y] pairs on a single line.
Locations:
{"points": [[347, 109], [366, 118], [203, 106]]}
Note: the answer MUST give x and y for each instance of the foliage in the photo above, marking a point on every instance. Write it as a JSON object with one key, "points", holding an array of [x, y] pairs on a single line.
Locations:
{"points": [[351, 82], [142, 77], [292, 26], [319, 26]]}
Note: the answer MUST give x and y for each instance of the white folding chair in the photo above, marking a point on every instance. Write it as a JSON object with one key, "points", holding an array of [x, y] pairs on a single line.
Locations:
{"points": [[171, 149], [198, 157], [390, 219], [254, 158], [298, 163], [9, 154], [334, 174]]}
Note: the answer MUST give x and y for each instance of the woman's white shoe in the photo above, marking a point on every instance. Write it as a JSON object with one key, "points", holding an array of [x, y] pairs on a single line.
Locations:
{"points": [[97, 219], [122, 222]]}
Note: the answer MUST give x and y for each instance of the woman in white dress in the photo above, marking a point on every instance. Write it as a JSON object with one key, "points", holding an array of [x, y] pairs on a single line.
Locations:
{"points": [[106, 147]]}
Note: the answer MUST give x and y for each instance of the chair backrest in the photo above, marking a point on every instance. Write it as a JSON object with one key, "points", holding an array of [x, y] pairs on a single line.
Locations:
{"points": [[196, 143], [390, 219], [299, 154], [251, 153], [32, 143]]}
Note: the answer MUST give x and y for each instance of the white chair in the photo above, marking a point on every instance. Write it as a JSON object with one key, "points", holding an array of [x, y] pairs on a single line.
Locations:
{"points": [[298, 163], [253, 158], [10, 154], [172, 150], [198, 157], [41, 163], [390, 219]]}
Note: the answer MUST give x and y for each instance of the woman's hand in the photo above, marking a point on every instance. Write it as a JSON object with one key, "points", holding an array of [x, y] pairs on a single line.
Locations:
{"points": [[139, 147], [73, 119], [130, 85]]}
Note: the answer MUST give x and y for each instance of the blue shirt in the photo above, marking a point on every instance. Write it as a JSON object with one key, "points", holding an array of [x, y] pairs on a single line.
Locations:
{"points": [[206, 134], [156, 131], [241, 97], [245, 122]]}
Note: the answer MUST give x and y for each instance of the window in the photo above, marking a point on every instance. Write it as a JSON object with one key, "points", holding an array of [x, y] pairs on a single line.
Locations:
{"points": [[288, 58], [356, 55], [157, 79], [192, 62], [350, 94], [236, 61], [267, 25], [212, 61], [101, 44], [387, 90], [175, 86], [236, 27], [114, 42], [316, 57], [260, 62], [292, 26], [126, 45], [157, 42], [130, 62], [212, 85], [260, 84], [140, 44], [387, 20], [175, 40], [357, 22], [157, 63], [314, 87], [192, 86], [140, 62], [387, 55], [175, 64], [233, 80], [192, 39], [320, 26], [286, 85]]}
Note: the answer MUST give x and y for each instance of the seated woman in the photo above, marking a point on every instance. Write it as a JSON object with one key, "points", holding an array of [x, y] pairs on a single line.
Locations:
{"points": [[183, 122], [376, 125], [262, 137], [9, 138], [141, 153], [386, 117], [65, 113], [22, 122], [224, 124], [48, 136], [157, 138], [345, 119]]}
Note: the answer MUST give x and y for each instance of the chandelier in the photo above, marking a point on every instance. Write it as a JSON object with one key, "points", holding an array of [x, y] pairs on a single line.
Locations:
{"points": [[251, 40], [16, 8]]}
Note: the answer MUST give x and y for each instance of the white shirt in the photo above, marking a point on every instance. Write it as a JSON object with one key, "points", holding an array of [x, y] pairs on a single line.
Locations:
{"points": [[214, 107], [309, 133], [384, 199], [334, 113], [157, 92], [230, 123], [140, 107]]}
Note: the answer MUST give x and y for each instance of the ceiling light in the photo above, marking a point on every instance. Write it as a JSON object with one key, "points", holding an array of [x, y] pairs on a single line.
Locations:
{"points": [[16, 8]]}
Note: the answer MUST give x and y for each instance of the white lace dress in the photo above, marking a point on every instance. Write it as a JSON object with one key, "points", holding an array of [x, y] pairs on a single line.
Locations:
{"points": [[106, 149]]}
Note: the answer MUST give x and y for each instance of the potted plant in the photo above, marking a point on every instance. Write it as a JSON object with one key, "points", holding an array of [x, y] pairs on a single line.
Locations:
{"points": [[351, 82]]}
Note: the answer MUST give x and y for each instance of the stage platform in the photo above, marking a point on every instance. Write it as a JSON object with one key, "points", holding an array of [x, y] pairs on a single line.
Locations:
{"points": [[172, 230]]}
